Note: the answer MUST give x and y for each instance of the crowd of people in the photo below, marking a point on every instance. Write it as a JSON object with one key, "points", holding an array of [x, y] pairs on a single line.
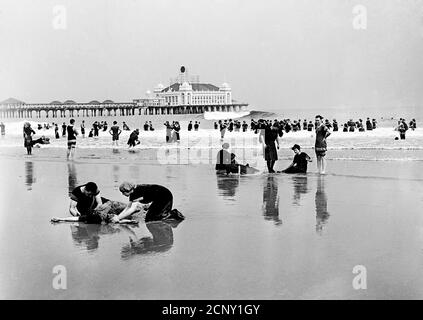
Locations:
{"points": [[286, 125], [87, 206], [269, 133]]}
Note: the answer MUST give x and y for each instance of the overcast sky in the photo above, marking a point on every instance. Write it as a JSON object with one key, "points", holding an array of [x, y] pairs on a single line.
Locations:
{"points": [[274, 54]]}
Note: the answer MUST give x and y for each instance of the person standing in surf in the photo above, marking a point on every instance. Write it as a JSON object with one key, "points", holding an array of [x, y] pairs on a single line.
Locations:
{"points": [[222, 127], [115, 132], [270, 150], [27, 134], [320, 145], [168, 131], [83, 129], [72, 133]]}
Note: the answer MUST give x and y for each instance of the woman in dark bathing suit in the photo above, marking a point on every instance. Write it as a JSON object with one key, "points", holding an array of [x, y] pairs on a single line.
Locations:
{"points": [[161, 200]]}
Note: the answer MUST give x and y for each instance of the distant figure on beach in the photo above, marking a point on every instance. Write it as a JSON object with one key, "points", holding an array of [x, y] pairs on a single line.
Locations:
{"points": [[270, 151], [72, 133], [86, 205], [91, 133], [125, 126], [360, 126], [2, 129], [168, 131], [369, 125], [190, 126], [83, 129], [133, 138], [64, 129], [230, 126], [345, 128], [310, 126], [56, 131], [335, 125], [320, 145], [115, 132], [413, 124], [146, 126], [305, 124], [351, 125], [216, 126], [161, 200], [27, 134], [196, 125], [96, 127], [244, 126], [374, 123], [176, 129], [150, 126], [402, 128], [299, 164], [222, 128]]}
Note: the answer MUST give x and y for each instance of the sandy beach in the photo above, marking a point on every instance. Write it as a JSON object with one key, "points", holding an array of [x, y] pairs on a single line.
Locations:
{"points": [[249, 237]]}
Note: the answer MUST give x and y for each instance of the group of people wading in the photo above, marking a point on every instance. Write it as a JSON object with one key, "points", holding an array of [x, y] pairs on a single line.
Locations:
{"points": [[269, 134]]}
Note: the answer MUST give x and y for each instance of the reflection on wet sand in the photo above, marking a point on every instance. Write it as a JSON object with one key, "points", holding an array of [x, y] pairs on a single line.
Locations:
{"points": [[271, 200], [299, 182], [87, 236], [321, 201], [161, 240], [29, 174], [115, 173], [227, 185], [72, 177]]}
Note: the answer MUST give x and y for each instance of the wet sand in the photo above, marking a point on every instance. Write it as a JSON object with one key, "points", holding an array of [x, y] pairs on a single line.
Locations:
{"points": [[256, 237]]}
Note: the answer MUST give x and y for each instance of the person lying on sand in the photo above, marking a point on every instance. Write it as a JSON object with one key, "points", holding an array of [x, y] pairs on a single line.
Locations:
{"points": [[86, 205]]}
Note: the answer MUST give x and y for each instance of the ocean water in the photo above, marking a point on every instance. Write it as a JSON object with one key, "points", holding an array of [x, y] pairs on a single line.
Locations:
{"points": [[200, 147]]}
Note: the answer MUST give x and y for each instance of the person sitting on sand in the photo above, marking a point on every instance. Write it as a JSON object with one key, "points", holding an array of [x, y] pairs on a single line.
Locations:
{"points": [[133, 138], [159, 197], [226, 163], [299, 164], [223, 160], [88, 206]]}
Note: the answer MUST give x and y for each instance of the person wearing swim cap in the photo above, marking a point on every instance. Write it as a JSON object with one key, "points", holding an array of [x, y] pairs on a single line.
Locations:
{"points": [[161, 200]]}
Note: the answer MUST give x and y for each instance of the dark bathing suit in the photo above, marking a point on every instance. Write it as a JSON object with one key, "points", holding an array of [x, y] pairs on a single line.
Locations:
{"points": [[270, 152], [115, 133], [71, 136], [160, 197], [86, 206], [301, 161], [320, 145]]}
